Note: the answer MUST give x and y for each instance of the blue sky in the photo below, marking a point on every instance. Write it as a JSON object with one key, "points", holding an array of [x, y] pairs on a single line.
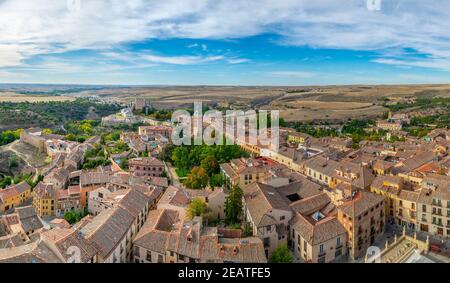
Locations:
{"points": [[218, 42]]}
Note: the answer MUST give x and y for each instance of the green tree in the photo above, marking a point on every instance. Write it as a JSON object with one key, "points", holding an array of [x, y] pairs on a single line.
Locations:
{"points": [[6, 181], [198, 179], [75, 216], [13, 163], [233, 205], [71, 137], [166, 153], [196, 208], [248, 230], [282, 255], [210, 164], [47, 131], [216, 180], [180, 158]]}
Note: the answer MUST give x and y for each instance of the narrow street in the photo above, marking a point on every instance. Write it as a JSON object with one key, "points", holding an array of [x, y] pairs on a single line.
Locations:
{"points": [[172, 174]]}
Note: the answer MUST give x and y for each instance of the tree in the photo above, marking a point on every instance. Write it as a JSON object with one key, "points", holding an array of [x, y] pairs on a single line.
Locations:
{"points": [[180, 158], [198, 179], [71, 137], [282, 255], [47, 131], [70, 217], [210, 164], [216, 180], [166, 153], [233, 205], [75, 216], [9, 136], [196, 208], [13, 163], [248, 230]]}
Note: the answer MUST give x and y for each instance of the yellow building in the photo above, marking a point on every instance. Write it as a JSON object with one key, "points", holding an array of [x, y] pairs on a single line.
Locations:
{"points": [[407, 209], [44, 199], [322, 170], [381, 167], [14, 196], [364, 219], [289, 157], [242, 172], [434, 206], [298, 137], [389, 187], [401, 203], [252, 149]]}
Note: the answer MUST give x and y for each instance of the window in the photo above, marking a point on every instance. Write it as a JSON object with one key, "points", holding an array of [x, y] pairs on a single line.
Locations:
{"points": [[149, 256], [338, 241], [321, 249], [305, 246], [282, 218], [424, 208]]}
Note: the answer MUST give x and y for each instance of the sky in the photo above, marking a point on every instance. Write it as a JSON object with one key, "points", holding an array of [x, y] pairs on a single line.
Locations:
{"points": [[225, 42]]}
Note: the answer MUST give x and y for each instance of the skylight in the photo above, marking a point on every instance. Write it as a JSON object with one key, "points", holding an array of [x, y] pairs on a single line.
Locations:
{"points": [[317, 216]]}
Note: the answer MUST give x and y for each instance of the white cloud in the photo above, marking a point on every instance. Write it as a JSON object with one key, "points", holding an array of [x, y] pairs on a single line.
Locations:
{"points": [[238, 60], [35, 27], [11, 75], [293, 74], [181, 60]]}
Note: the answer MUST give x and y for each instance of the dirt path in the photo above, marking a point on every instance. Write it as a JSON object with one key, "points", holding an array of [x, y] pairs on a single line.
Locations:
{"points": [[10, 147]]}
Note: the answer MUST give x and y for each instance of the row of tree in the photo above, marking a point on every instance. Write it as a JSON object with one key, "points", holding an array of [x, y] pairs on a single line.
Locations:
{"points": [[201, 162], [10, 136]]}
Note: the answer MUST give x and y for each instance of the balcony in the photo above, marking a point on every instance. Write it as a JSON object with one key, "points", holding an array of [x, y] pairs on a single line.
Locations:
{"points": [[438, 224], [434, 203], [436, 212]]}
